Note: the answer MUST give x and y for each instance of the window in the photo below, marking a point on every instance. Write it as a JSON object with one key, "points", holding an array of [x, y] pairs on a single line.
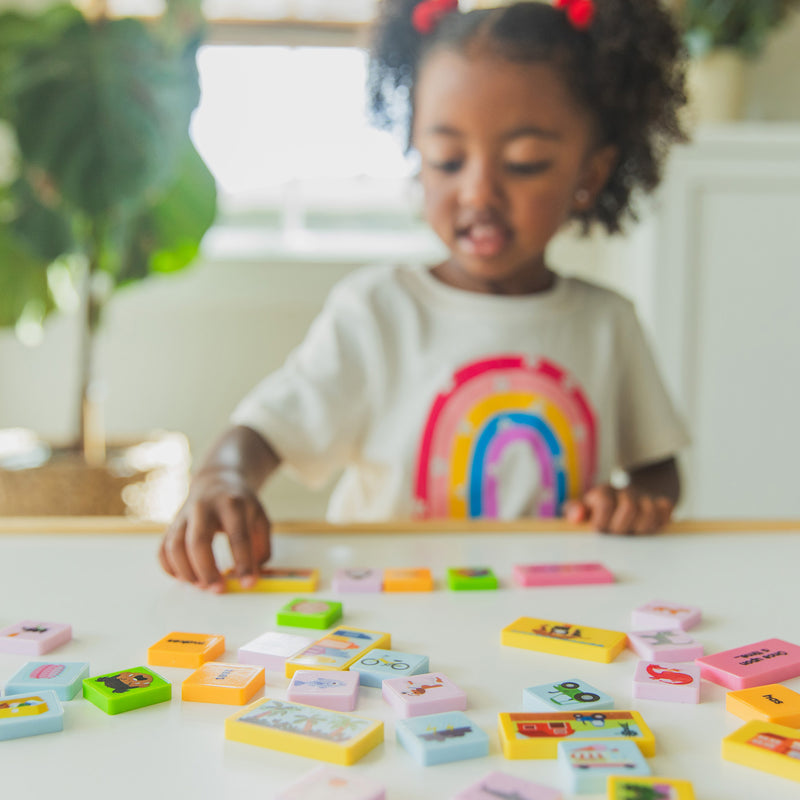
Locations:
{"points": [[301, 172]]}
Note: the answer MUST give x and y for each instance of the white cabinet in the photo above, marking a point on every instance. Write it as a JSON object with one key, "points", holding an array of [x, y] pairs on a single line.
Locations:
{"points": [[716, 269]]}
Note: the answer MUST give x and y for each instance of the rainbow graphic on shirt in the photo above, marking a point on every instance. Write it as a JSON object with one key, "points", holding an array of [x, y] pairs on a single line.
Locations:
{"points": [[494, 404]]}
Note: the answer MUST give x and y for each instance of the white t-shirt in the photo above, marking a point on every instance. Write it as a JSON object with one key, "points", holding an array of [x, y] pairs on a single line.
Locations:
{"points": [[438, 402]]}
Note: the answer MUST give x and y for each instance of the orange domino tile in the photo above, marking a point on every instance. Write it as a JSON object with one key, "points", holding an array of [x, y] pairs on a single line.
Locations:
{"points": [[772, 703], [229, 684], [407, 580], [187, 650]]}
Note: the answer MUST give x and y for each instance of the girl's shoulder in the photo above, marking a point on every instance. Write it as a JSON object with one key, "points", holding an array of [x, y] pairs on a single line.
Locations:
{"points": [[597, 297]]}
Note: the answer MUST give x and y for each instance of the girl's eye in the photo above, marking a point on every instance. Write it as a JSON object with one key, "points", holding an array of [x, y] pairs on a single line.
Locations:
{"points": [[528, 167], [451, 166]]}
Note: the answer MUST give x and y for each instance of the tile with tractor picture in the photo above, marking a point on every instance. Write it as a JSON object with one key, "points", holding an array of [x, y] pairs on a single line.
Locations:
{"points": [[572, 693]]}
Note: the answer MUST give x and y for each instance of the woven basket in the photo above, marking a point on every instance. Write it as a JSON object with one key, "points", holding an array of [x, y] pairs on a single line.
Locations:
{"points": [[146, 479]]}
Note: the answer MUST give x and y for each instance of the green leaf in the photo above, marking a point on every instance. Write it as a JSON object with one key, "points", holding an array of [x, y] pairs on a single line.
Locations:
{"points": [[103, 111], [167, 236], [23, 280], [46, 231]]}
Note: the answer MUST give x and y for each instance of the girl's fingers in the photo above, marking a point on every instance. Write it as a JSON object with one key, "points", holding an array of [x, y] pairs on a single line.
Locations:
{"points": [[647, 518], [259, 533], [176, 553], [199, 544], [600, 504], [233, 516], [625, 512]]}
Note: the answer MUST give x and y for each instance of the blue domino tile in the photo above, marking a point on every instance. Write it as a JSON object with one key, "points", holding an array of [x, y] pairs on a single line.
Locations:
{"points": [[564, 696], [65, 678], [29, 714], [441, 738], [586, 766], [378, 665]]}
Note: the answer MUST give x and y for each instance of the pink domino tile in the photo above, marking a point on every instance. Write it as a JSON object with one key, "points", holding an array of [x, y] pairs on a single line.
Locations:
{"points": [[769, 661], [358, 580], [329, 783], [500, 784], [271, 649], [418, 695], [334, 689], [663, 615], [665, 645], [561, 574], [675, 683], [34, 637]]}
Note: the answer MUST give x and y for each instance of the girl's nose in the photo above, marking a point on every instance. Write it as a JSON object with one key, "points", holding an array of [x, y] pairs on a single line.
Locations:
{"points": [[480, 185]]}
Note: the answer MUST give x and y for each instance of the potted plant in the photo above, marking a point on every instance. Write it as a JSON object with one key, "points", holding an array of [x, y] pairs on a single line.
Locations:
{"points": [[720, 36], [107, 190]]}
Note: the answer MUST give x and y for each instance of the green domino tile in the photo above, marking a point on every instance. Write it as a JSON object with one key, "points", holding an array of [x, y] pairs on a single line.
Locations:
{"points": [[116, 692], [305, 613], [461, 579]]}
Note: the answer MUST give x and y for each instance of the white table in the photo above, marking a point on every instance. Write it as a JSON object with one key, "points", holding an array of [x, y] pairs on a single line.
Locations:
{"points": [[112, 591]]}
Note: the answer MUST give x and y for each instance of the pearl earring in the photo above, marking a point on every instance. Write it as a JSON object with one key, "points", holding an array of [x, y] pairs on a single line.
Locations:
{"points": [[582, 196]]}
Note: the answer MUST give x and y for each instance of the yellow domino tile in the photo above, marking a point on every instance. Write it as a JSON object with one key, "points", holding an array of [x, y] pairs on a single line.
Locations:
{"points": [[188, 650], [564, 639], [305, 731], [277, 579], [230, 684], [622, 788], [338, 649], [765, 746], [534, 735], [772, 703], [407, 580]]}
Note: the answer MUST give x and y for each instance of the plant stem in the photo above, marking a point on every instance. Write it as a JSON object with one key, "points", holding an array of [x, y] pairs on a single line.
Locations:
{"points": [[91, 434]]}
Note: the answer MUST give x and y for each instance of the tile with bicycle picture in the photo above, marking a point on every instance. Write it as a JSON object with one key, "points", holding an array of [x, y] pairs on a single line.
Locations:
{"points": [[377, 665]]}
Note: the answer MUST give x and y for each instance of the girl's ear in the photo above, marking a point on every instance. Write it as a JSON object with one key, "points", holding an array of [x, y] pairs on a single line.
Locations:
{"points": [[599, 165]]}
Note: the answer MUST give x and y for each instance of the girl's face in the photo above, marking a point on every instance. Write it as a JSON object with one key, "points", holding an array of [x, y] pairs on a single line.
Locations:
{"points": [[507, 156]]}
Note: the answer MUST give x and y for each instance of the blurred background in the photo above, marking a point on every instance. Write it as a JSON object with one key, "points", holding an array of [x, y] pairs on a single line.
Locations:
{"points": [[307, 192]]}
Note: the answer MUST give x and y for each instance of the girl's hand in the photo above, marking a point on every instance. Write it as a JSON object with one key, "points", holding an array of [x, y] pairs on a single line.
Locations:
{"points": [[621, 511], [219, 500]]}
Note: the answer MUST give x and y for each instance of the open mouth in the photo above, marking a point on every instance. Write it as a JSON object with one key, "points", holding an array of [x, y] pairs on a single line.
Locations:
{"points": [[484, 239]]}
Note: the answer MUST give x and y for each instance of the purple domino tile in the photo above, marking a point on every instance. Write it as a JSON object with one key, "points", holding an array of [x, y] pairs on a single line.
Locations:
{"points": [[334, 689], [500, 784], [418, 695], [675, 683], [34, 637], [768, 661], [663, 615], [357, 580], [665, 645]]}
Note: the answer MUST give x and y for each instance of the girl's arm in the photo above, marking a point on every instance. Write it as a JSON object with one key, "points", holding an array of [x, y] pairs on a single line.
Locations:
{"points": [[645, 505], [223, 496]]}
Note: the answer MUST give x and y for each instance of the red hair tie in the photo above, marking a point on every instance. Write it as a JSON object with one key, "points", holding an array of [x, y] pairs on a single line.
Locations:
{"points": [[427, 15], [579, 12]]}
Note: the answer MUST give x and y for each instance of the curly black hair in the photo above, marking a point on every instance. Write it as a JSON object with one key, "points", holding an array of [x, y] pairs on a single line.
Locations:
{"points": [[627, 69]]}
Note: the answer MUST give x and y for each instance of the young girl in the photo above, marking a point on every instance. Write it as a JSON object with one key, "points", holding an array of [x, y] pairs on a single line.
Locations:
{"points": [[486, 385]]}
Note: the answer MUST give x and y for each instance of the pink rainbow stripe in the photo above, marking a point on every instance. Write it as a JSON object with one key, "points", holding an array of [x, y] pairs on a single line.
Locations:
{"points": [[475, 382]]}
